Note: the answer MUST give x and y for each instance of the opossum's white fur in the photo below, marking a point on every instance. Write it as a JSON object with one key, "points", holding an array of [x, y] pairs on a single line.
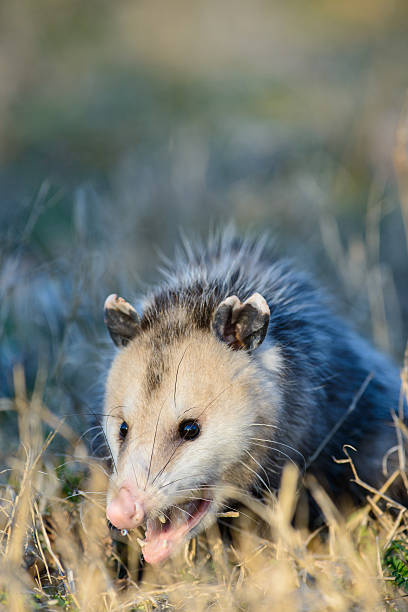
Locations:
{"points": [[214, 384]]}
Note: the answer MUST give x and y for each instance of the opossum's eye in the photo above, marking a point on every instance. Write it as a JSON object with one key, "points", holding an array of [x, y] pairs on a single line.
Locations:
{"points": [[123, 429], [189, 429]]}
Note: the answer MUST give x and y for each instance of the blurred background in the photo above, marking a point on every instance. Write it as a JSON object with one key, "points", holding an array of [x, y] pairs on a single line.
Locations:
{"points": [[123, 122]]}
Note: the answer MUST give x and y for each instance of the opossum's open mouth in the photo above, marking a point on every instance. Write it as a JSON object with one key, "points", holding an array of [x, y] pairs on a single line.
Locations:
{"points": [[165, 534]]}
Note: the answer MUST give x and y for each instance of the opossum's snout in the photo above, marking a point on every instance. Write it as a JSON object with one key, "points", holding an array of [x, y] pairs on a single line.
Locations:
{"points": [[126, 510], [165, 530]]}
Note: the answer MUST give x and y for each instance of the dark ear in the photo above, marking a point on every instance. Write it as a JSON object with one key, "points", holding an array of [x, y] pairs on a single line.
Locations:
{"points": [[242, 325], [121, 319]]}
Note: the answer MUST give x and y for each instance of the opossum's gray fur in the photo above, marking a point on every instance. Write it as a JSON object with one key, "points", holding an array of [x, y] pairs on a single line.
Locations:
{"points": [[325, 363]]}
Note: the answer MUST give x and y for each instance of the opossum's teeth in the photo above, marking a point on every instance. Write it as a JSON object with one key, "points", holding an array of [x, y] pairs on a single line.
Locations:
{"points": [[162, 538], [161, 518]]}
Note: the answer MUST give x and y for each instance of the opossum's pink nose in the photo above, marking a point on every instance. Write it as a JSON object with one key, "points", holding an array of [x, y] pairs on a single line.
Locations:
{"points": [[125, 511]]}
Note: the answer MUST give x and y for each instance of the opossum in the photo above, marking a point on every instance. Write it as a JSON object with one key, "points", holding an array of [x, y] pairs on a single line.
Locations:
{"points": [[236, 366]]}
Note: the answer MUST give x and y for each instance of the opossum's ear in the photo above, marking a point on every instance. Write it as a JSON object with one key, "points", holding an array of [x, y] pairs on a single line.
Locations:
{"points": [[121, 319], [242, 325]]}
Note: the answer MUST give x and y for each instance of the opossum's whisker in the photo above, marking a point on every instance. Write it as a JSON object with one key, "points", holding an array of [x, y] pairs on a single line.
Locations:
{"points": [[210, 488], [89, 430], [104, 457], [221, 487], [271, 467], [199, 488], [88, 461], [257, 475], [96, 449], [262, 468], [110, 450], [277, 450], [93, 501], [190, 490], [160, 472], [197, 498], [134, 471], [214, 399], [178, 480], [76, 494], [95, 438], [295, 450], [177, 373], [84, 494], [95, 414], [154, 439], [73, 459], [209, 404], [282, 444], [264, 425], [101, 446], [182, 509], [97, 435]]}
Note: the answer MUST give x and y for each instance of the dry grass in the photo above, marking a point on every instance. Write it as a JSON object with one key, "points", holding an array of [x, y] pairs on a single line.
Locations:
{"points": [[56, 550]]}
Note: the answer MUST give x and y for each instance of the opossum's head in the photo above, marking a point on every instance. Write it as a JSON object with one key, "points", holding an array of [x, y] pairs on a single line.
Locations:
{"points": [[181, 403]]}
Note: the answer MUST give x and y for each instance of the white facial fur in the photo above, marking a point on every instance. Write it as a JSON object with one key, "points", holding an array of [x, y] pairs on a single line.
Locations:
{"points": [[219, 387]]}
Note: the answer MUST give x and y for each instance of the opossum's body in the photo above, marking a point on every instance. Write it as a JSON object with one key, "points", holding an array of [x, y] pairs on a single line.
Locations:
{"points": [[213, 391]]}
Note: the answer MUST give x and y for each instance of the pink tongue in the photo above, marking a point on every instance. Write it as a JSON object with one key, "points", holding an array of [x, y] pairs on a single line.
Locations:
{"points": [[160, 544]]}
